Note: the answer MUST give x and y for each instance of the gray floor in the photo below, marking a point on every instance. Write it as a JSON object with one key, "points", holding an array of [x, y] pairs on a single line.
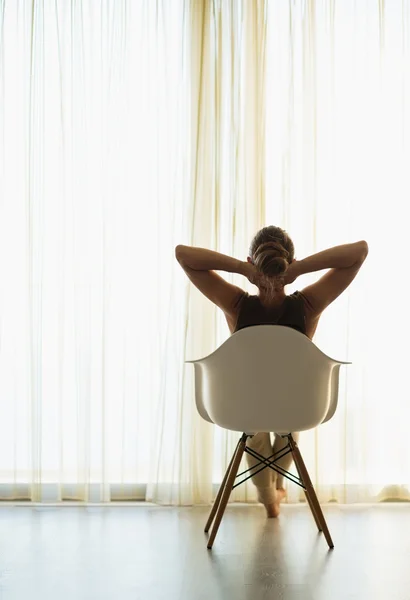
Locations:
{"points": [[142, 552]]}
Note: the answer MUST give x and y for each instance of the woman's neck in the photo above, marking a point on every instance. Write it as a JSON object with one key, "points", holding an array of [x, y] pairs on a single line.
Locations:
{"points": [[270, 299]]}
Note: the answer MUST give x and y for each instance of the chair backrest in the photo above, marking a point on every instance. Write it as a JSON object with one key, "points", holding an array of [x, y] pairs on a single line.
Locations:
{"points": [[267, 378]]}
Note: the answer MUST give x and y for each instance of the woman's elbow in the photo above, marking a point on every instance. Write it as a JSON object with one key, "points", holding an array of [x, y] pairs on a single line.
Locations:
{"points": [[363, 250], [180, 252]]}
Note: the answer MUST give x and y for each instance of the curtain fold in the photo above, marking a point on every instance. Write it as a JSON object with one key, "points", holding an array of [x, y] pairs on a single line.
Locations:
{"points": [[129, 127]]}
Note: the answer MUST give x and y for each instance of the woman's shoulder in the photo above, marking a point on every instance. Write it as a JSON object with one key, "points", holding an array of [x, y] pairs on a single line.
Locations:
{"points": [[246, 303], [303, 298], [300, 296], [310, 317], [244, 297], [296, 295]]}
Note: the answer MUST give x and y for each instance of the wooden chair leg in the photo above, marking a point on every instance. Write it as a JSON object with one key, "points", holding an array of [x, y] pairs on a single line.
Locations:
{"points": [[313, 511], [310, 491], [220, 492], [310, 503], [228, 489]]}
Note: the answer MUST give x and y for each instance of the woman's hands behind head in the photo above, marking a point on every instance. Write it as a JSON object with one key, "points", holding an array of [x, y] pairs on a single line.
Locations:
{"points": [[262, 281], [254, 275]]}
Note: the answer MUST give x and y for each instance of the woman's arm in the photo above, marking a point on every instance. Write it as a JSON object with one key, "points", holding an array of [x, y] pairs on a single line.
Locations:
{"points": [[344, 263], [199, 264], [201, 259], [338, 257]]}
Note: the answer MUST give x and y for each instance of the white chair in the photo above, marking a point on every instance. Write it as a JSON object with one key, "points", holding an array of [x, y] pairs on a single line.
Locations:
{"points": [[261, 379]]}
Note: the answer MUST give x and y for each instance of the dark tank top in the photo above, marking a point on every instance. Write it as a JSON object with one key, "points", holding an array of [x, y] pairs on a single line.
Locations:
{"points": [[290, 314]]}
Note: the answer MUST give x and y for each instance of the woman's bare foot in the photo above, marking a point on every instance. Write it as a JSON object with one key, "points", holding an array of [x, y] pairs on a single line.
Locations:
{"points": [[280, 494], [272, 510]]}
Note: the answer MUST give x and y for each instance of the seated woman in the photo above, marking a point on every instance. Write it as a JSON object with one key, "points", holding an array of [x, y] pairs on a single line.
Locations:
{"points": [[270, 266]]}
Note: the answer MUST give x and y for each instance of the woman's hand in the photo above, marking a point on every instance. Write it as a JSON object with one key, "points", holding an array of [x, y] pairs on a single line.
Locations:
{"points": [[252, 273], [292, 272], [257, 278]]}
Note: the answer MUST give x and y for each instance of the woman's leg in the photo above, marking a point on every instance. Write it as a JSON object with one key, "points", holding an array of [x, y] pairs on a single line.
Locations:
{"points": [[264, 480], [286, 461]]}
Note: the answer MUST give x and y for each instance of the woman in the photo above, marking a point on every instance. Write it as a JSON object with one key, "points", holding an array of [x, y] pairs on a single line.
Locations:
{"points": [[270, 266]]}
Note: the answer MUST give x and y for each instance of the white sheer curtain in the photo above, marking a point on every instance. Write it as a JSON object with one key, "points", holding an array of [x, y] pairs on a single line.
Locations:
{"points": [[93, 201], [130, 126], [338, 150]]}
